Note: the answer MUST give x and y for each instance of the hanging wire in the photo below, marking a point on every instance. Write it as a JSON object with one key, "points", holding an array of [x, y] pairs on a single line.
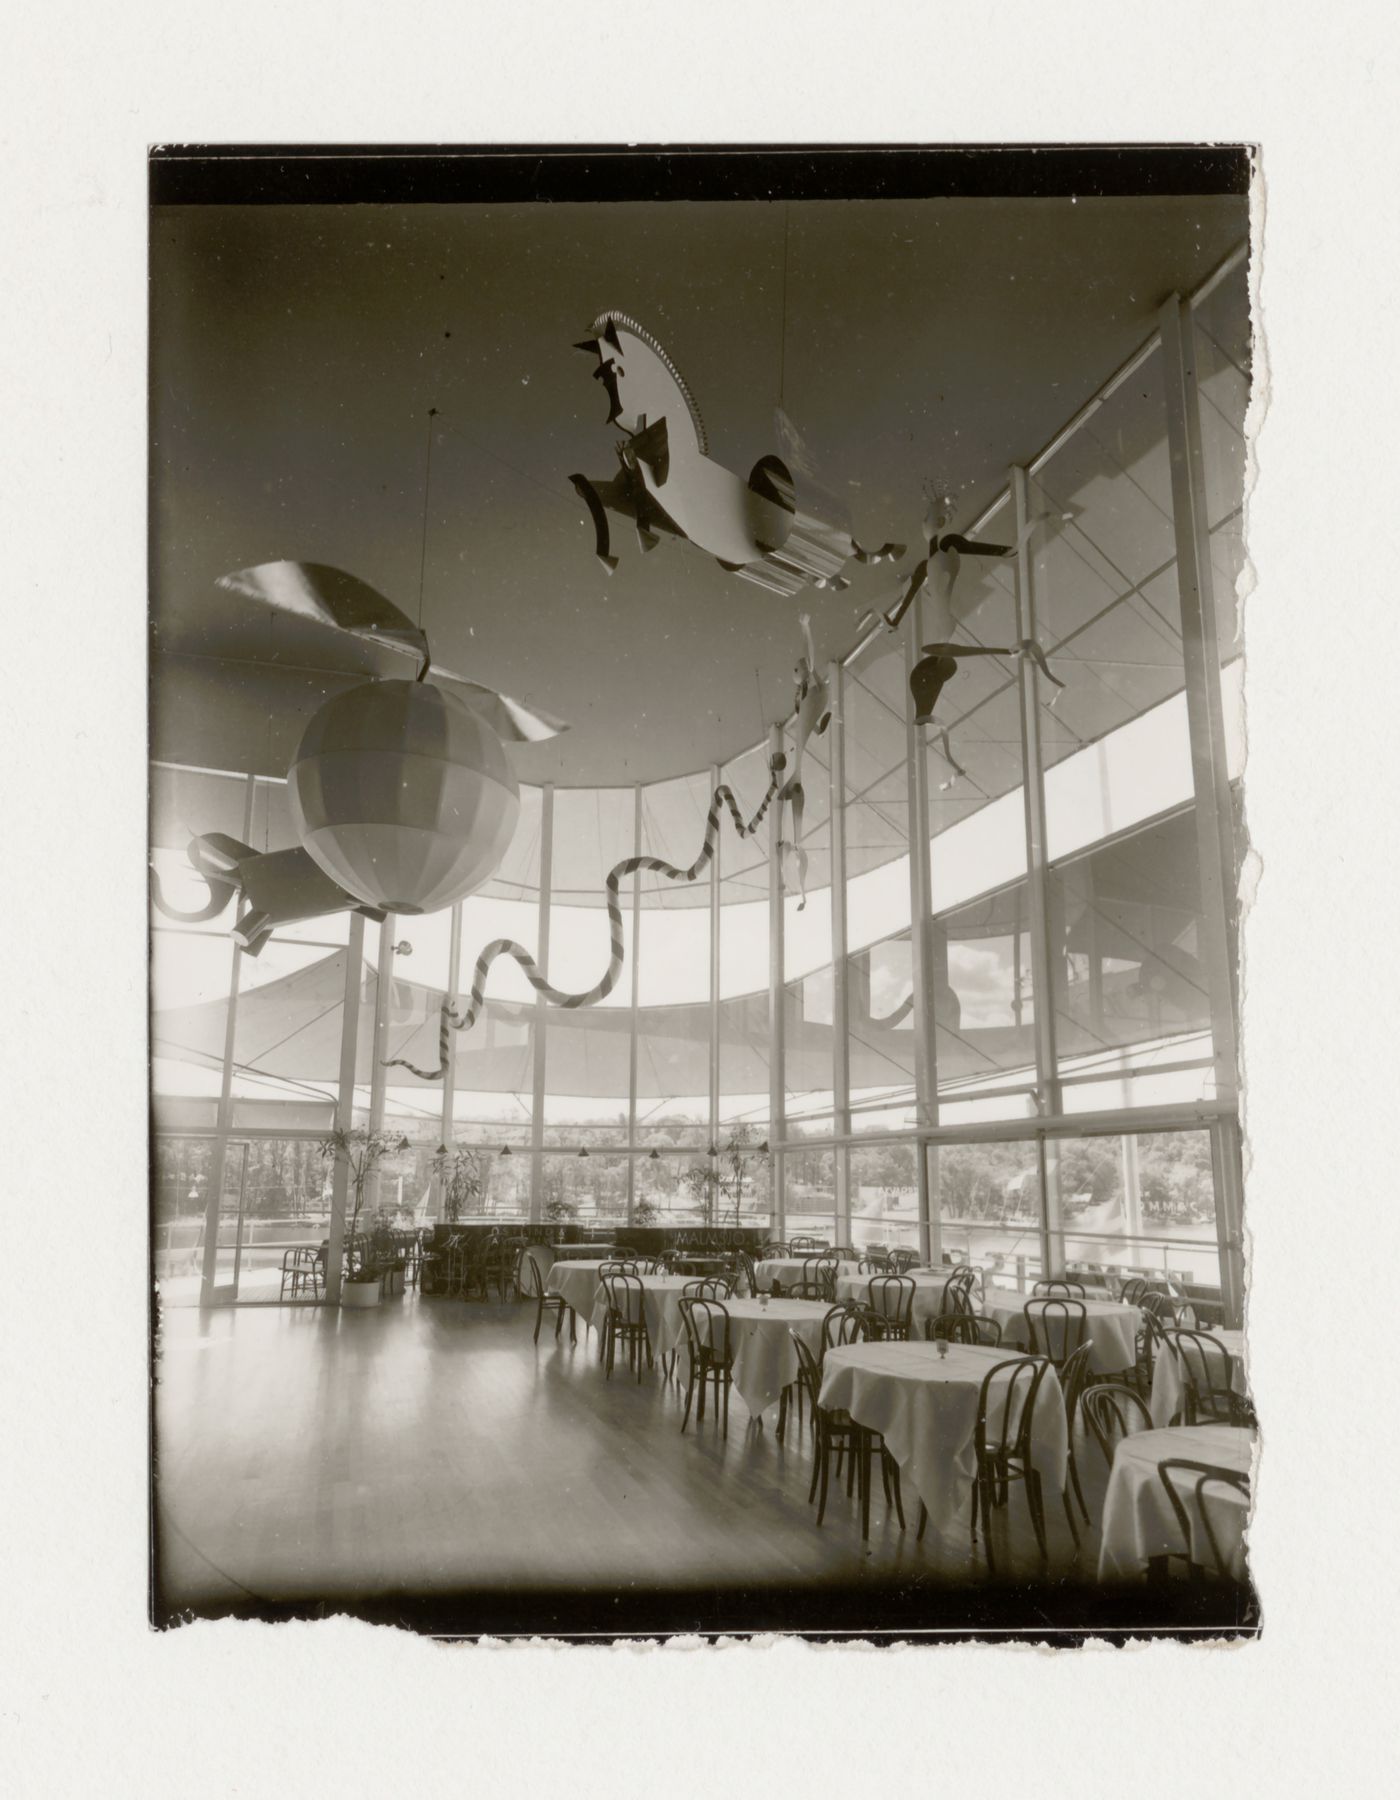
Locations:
{"points": [[427, 478], [782, 340]]}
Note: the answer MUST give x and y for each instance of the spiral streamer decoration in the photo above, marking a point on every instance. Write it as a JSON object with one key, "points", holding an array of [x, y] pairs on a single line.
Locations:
{"points": [[451, 1019]]}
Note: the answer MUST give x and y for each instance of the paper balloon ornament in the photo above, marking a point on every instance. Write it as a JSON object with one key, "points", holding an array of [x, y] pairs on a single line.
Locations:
{"points": [[403, 795]]}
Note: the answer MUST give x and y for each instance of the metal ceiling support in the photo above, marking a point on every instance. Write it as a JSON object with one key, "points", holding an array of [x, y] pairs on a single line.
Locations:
{"points": [[449, 1074], [345, 1102], [920, 946], [541, 1016], [213, 1200], [1215, 818], [632, 1032], [840, 997], [777, 1098], [1043, 962]]}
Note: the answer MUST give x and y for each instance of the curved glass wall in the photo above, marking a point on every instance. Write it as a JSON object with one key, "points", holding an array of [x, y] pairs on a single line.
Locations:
{"points": [[809, 1073]]}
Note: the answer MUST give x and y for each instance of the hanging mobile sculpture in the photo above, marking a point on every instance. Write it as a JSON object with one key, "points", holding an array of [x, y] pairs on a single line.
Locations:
{"points": [[668, 485], [451, 1019], [810, 717]]}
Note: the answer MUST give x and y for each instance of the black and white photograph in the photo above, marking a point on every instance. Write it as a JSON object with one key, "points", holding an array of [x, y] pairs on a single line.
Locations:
{"points": [[697, 799]]}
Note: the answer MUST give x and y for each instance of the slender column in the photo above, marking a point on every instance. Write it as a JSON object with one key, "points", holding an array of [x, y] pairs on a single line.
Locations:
{"points": [[1205, 716], [632, 1035], [1047, 1065], [714, 973], [537, 1093], [345, 1101], [378, 1074], [921, 962], [449, 1074], [840, 999], [213, 1200], [777, 1097]]}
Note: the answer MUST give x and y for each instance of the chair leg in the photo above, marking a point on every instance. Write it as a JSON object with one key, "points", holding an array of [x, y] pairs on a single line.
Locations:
{"points": [[825, 1465], [923, 1516], [539, 1319], [1078, 1491], [818, 1464], [1033, 1495], [865, 1485], [725, 1383], [782, 1414], [893, 1468]]}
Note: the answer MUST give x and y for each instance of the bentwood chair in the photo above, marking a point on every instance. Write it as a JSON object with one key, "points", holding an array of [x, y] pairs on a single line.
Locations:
{"points": [[1151, 1341], [774, 1248], [800, 1245], [625, 1322], [1002, 1442], [1074, 1375], [709, 1287], [838, 1435], [709, 1356], [892, 1303], [621, 1267], [903, 1260], [529, 1283], [1055, 1328], [1113, 1412], [874, 1262], [1207, 1380], [1178, 1472], [963, 1326], [1066, 1290], [301, 1273]]}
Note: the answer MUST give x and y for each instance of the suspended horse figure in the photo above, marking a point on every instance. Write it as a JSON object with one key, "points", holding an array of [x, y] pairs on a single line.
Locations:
{"points": [[451, 1019], [668, 485]]}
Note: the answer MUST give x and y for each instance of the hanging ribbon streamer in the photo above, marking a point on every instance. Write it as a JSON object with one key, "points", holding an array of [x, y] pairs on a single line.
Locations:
{"points": [[450, 1018]]}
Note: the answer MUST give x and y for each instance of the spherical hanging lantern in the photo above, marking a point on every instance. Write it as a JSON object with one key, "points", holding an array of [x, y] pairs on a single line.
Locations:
{"points": [[403, 795]]}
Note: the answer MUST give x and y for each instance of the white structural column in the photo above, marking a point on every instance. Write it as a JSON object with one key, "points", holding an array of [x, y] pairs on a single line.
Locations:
{"points": [[840, 1001], [714, 972], [449, 1073], [1047, 1065], [213, 1200], [345, 1102], [632, 1034], [378, 1073], [777, 1098], [920, 947], [1215, 823], [537, 1091]]}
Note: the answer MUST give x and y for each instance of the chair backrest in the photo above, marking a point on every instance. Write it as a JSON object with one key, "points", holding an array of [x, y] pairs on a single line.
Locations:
{"points": [[800, 1244], [1006, 1405], [1161, 1306], [809, 1370], [1132, 1291], [709, 1322], [873, 1263], [624, 1293], [844, 1325], [708, 1287], [615, 1268], [844, 1252], [1065, 1289], [1074, 1374], [891, 1298], [1113, 1412], [527, 1275], [900, 1260], [965, 1277], [1176, 1473], [772, 1249], [1055, 1328], [1207, 1367]]}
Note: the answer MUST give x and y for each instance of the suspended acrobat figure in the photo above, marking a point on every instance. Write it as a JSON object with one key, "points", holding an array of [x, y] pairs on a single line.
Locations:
{"points": [[937, 575], [450, 1019], [668, 485], [811, 715]]}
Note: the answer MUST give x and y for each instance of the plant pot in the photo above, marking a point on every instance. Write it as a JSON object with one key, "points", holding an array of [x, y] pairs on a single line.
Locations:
{"points": [[360, 1293]]}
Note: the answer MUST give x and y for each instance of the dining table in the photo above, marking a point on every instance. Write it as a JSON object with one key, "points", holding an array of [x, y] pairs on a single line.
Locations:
{"points": [[576, 1283], [760, 1338], [1139, 1521], [1167, 1385], [922, 1398], [1111, 1327]]}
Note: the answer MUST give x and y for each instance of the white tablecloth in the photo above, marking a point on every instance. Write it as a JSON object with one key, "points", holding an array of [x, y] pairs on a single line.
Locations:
{"points": [[789, 1271], [765, 1361], [1112, 1328], [660, 1299], [576, 1283], [930, 1288], [1138, 1520], [1166, 1375], [926, 1408]]}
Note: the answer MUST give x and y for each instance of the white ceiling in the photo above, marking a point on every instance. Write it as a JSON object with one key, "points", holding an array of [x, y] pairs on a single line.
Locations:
{"points": [[296, 352]]}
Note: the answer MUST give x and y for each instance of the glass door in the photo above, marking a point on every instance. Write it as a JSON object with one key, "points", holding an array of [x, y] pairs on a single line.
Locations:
{"points": [[227, 1248]]}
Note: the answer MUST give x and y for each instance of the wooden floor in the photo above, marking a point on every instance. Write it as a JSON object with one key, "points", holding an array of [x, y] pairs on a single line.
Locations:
{"points": [[428, 1449]]}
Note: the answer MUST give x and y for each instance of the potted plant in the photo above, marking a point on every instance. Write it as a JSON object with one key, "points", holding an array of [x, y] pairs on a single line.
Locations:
{"points": [[463, 1171], [362, 1151]]}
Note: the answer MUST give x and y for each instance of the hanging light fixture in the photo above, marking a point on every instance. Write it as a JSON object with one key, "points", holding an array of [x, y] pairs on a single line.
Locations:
{"points": [[584, 1151], [655, 1156], [403, 1143], [442, 1149], [762, 1148], [505, 1149], [712, 1151]]}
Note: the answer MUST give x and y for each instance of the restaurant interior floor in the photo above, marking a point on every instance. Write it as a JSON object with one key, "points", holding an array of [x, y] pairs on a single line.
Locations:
{"points": [[425, 1463]]}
